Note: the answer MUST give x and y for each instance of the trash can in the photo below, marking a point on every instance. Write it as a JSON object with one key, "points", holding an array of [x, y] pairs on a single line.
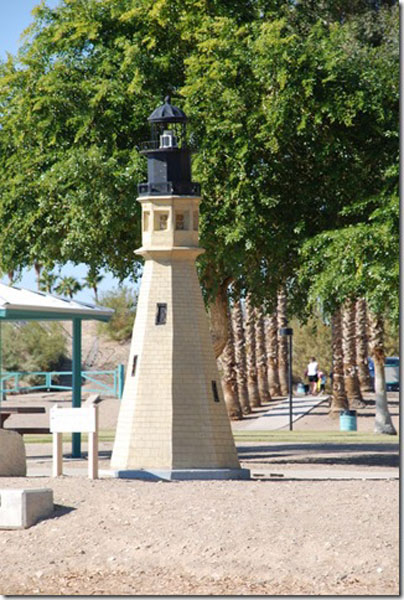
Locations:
{"points": [[347, 420], [300, 388]]}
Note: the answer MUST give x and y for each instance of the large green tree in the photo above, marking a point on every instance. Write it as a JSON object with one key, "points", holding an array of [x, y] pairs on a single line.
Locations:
{"points": [[290, 103]]}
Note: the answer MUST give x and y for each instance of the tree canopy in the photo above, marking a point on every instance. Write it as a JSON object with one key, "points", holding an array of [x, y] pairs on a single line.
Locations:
{"points": [[293, 106]]}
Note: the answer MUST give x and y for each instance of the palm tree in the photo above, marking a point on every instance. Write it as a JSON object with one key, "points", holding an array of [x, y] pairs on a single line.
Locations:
{"points": [[229, 377], [349, 351], [68, 286], [92, 281], [261, 356], [38, 269], [240, 357], [339, 399], [47, 281], [272, 354], [283, 358], [362, 352], [383, 422], [252, 382]]}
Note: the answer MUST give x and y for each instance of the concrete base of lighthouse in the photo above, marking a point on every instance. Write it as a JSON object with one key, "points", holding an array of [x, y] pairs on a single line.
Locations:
{"points": [[177, 474]]}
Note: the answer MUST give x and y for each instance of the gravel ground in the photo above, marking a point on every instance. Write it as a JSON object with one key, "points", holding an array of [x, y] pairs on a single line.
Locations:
{"points": [[258, 537], [269, 536]]}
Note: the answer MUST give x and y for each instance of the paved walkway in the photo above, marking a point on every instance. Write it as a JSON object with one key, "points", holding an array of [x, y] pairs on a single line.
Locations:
{"points": [[277, 417]]}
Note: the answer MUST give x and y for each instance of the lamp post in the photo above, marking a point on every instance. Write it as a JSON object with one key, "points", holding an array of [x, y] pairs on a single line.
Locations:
{"points": [[288, 332]]}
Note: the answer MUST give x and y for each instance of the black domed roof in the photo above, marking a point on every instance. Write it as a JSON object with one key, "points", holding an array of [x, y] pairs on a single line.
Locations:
{"points": [[167, 113]]}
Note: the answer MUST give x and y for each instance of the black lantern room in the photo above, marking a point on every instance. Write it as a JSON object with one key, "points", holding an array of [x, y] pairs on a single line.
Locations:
{"points": [[168, 155]]}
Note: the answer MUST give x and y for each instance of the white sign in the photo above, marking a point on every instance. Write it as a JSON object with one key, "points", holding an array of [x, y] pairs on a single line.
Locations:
{"points": [[73, 420]]}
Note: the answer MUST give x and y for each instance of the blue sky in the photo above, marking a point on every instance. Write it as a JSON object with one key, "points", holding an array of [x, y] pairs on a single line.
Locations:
{"points": [[15, 16]]}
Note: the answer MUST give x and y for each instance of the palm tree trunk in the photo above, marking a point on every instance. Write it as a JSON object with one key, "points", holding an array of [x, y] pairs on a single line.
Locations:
{"points": [[362, 351], [252, 382], [38, 269], [240, 357], [383, 422], [349, 351], [339, 400], [283, 357], [261, 356], [229, 377], [218, 317], [272, 355]]}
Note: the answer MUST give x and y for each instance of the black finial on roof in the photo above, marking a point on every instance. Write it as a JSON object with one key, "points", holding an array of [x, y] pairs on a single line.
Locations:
{"points": [[167, 113]]}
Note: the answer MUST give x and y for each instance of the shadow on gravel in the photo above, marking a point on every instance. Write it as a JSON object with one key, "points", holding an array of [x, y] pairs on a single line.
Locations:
{"points": [[366, 460], [59, 511], [317, 447], [371, 455]]}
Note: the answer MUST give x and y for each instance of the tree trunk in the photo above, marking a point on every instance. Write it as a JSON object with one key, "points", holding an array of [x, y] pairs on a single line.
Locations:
{"points": [[283, 355], [383, 422], [261, 357], [339, 399], [349, 351], [272, 355], [252, 382], [229, 377], [38, 269], [218, 314], [240, 356], [362, 351]]}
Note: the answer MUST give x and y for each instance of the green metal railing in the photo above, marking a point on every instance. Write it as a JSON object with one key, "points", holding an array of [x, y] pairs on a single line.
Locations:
{"points": [[12, 381]]}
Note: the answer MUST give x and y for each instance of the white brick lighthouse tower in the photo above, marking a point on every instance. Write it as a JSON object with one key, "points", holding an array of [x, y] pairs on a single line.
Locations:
{"points": [[172, 422]]}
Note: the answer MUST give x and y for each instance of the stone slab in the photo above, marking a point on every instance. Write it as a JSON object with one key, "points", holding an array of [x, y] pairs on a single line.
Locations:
{"points": [[177, 474], [22, 508], [12, 454]]}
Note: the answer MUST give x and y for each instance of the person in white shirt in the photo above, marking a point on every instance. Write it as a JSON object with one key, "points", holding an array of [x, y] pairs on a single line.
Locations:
{"points": [[312, 374]]}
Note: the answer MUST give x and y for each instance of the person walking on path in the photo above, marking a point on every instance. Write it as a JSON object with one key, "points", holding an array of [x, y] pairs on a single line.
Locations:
{"points": [[312, 374]]}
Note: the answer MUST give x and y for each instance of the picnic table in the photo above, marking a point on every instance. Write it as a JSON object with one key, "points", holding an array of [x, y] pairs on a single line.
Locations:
{"points": [[7, 411]]}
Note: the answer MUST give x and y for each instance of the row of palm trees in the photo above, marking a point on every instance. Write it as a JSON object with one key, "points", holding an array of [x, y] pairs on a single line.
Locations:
{"points": [[356, 334], [254, 362], [67, 286]]}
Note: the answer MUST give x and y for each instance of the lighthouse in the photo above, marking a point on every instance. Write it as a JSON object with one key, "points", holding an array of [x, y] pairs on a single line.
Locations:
{"points": [[172, 422]]}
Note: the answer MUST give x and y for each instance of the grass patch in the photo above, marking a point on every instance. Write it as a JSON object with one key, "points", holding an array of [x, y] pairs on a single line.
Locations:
{"points": [[103, 436], [313, 437]]}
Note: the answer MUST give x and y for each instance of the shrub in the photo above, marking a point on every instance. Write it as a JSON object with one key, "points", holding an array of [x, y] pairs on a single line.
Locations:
{"points": [[124, 302], [32, 346]]}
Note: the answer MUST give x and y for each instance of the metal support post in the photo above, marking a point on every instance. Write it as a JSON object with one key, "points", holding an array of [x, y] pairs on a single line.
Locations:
{"points": [[1, 365], [290, 385], [121, 380], [76, 377]]}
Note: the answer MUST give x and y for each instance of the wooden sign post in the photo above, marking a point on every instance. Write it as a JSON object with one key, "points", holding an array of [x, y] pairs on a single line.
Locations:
{"points": [[75, 420]]}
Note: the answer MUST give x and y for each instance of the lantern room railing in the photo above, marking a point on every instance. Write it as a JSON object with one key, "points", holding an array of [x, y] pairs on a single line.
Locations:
{"points": [[170, 187]]}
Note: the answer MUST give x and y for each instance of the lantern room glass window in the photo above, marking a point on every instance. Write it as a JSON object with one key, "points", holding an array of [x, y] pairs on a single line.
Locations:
{"points": [[182, 221], [160, 220]]}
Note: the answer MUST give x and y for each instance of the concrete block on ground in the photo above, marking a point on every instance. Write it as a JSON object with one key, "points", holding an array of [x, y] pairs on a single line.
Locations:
{"points": [[22, 508], [13, 461]]}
